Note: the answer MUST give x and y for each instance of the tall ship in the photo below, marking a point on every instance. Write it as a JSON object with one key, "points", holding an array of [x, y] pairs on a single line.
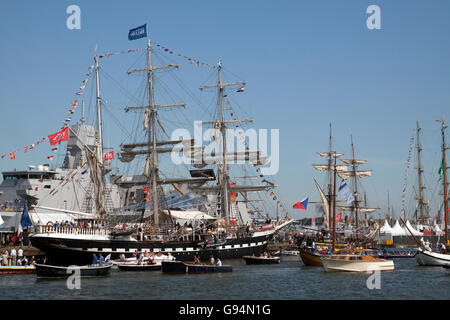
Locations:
{"points": [[341, 237], [198, 215]]}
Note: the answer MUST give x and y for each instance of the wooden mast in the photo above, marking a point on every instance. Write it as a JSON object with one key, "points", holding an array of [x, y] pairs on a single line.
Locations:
{"points": [[334, 207], [224, 179], [444, 165], [356, 189], [420, 171], [330, 192]]}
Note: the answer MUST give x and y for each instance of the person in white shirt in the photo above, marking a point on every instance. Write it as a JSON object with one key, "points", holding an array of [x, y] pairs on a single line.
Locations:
{"points": [[219, 263], [20, 254], [13, 256]]}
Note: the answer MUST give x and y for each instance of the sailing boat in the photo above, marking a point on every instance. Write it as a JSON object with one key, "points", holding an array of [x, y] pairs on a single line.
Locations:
{"points": [[355, 206], [358, 260], [425, 256], [154, 220], [309, 255]]}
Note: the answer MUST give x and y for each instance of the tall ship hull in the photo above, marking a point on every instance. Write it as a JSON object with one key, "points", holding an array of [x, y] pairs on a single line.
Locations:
{"points": [[71, 248]]}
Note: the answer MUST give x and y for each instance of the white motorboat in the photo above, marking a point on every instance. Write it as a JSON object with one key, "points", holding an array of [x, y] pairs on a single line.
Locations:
{"points": [[356, 263], [157, 259]]}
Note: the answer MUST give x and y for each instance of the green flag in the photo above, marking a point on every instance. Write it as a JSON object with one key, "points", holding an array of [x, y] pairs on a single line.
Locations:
{"points": [[441, 170]]}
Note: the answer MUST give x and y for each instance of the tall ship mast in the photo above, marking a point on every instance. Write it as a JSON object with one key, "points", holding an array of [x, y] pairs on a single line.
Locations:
{"points": [[329, 167], [355, 173], [420, 197]]}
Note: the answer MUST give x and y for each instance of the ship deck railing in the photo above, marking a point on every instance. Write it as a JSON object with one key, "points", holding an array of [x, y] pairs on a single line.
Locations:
{"points": [[73, 230]]}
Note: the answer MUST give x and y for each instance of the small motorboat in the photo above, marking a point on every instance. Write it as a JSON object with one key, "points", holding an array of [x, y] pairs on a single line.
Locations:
{"points": [[139, 267], [17, 269], [355, 263], [157, 258], [446, 266], [290, 255], [173, 267], [205, 268], [261, 260], [49, 271], [396, 253], [185, 267]]}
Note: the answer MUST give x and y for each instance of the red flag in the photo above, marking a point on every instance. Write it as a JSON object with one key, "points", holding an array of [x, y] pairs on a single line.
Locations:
{"points": [[12, 155], [109, 155], [233, 194], [147, 194], [62, 135], [339, 217]]}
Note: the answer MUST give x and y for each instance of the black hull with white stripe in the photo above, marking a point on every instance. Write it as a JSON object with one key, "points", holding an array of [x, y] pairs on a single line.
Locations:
{"points": [[80, 251], [71, 248]]}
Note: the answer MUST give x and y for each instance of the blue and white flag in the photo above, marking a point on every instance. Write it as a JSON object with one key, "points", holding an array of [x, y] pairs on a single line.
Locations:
{"points": [[137, 33], [346, 192]]}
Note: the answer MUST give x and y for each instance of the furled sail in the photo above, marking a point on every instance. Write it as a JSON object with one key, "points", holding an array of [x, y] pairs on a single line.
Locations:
{"points": [[360, 209], [325, 167], [360, 173], [328, 154], [326, 208], [97, 180], [353, 161]]}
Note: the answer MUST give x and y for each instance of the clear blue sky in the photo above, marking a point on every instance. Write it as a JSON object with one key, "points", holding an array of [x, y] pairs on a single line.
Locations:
{"points": [[307, 63]]}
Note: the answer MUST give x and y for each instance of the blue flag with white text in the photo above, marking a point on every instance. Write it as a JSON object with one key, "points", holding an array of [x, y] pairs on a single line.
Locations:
{"points": [[25, 220], [137, 33]]}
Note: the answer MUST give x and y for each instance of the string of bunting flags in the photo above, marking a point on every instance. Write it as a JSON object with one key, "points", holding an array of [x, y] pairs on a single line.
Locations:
{"points": [[408, 164], [191, 60], [63, 134], [272, 194], [165, 50]]}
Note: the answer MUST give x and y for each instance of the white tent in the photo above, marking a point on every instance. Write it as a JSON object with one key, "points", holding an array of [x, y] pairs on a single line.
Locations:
{"points": [[1, 220], [397, 230], [386, 228], [410, 227]]}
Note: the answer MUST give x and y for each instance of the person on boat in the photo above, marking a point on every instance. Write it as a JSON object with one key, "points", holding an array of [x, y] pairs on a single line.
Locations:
{"points": [[211, 260], [14, 256], [219, 263], [197, 260], [33, 261], [94, 259], [20, 253], [101, 259], [5, 258]]}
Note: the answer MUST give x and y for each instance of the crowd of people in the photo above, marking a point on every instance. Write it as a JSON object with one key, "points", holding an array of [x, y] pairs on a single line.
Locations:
{"points": [[15, 258]]}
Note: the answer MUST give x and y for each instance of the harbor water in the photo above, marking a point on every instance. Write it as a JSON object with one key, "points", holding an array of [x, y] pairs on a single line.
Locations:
{"points": [[285, 281]]}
